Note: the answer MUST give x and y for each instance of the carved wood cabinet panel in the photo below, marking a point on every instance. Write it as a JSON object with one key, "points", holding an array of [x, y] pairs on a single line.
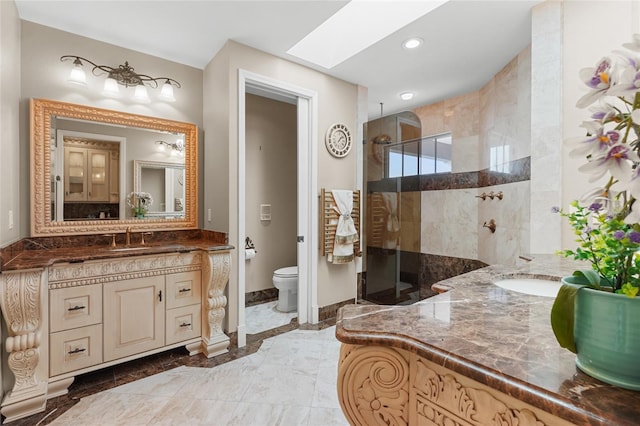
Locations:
{"points": [[388, 386]]}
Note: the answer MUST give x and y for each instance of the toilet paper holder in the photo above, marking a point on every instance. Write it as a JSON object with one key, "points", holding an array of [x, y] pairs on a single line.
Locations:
{"points": [[248, 244]]}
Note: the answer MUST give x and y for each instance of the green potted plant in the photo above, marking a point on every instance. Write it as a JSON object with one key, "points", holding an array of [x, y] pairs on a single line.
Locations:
{"points": [[596, 313]]}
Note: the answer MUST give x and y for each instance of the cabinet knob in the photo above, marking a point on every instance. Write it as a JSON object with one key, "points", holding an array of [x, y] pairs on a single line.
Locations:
{"points": [[184, 290], [185, 324], [76, 351]]}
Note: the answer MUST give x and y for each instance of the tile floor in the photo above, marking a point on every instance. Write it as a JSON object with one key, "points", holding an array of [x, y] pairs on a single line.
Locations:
{"points": [[265, 316], [290, 380]]}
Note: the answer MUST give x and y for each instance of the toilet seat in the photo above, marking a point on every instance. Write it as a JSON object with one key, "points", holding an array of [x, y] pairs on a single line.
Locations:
{"points": [[288, 272]]}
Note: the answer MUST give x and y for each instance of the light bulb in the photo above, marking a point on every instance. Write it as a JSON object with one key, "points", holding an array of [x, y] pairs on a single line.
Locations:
{"points": [[77, 75], [141, 95], [166, 94], [405, 96], [412, 43], [111, 88]]}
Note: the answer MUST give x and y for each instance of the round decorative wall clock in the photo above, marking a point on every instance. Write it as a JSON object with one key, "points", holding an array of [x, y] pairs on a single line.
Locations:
{"points": [[338, 140]]}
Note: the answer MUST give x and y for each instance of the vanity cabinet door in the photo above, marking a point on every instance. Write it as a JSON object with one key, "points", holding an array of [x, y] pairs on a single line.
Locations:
{"points": [[75, 174], [183, 289], [183, 323], [75, 349], [134, 314], [75, 307], [98, 175]]}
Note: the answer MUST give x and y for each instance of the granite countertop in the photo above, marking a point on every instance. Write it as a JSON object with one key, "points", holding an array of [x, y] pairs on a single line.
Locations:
{"points": [[497, 337], [40, 258]]}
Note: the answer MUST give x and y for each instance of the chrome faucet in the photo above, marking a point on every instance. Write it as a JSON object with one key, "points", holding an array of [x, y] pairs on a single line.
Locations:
{"points": [[127, 237]]}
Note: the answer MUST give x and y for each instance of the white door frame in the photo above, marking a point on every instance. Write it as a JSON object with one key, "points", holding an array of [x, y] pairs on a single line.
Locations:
{"points": [[307, 101]]}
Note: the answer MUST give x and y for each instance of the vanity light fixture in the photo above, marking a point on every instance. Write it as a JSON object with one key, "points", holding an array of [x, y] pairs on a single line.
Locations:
{"points": [[406, 96], [412, 43], [176, 147], [124, 75]]}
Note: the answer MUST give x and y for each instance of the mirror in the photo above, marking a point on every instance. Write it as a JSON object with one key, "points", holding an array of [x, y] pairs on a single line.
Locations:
{"points": [[164, 182], [86, 162]]}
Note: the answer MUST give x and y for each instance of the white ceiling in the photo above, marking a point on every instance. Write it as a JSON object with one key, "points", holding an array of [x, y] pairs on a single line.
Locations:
{"points": [[466, 42]]}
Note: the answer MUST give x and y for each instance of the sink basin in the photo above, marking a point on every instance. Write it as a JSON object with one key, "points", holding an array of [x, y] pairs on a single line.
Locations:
{"points": [[533, 286], [129, 248]]}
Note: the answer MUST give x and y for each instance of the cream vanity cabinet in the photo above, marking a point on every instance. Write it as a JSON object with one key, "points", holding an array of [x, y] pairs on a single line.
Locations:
{"points": [[72, 318]]}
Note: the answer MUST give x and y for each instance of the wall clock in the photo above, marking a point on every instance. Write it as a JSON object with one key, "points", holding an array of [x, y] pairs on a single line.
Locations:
{"points": [[338, 140]]}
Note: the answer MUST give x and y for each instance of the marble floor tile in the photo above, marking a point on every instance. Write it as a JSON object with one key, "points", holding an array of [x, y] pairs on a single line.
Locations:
{"points": [[265, 316], [261, 414], [326, 417], [290, 380]]}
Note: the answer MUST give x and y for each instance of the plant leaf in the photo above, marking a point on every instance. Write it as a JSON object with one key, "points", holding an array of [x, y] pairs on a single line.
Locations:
{"points": [[587, 277], [562, 315]]}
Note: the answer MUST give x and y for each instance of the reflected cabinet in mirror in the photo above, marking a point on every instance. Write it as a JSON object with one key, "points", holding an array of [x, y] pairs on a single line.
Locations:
{"points": [[95, 170]]}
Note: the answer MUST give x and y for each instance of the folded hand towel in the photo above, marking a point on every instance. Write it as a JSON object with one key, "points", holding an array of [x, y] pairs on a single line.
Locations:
{"points": [[346, 233], [393, 224]]}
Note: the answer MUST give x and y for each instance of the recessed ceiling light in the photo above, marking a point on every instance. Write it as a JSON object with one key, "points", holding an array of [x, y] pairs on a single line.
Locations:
{"points": [[412, 43], [405, 96], [356, 26]]}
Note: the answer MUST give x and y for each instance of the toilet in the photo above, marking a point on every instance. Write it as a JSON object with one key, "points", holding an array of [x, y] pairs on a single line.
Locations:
{"points": [[286, 281]]}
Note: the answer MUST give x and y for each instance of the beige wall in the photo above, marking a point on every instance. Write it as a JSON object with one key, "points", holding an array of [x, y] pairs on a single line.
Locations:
{"points": [[45, 76], [271, 148], [337, 103], [582, 47], [495, 117], [15, 171]]}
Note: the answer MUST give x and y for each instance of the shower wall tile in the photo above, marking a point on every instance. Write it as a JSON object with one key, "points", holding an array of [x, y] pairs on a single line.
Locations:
{"points": [[510, 239], [461, 115], [449, 221], [546, 126], [465, 153], [434, 268], [410, 221], [432, 119]]}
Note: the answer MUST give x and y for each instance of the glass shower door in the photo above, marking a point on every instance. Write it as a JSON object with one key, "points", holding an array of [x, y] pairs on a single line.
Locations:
{"points": [[392, 205]]}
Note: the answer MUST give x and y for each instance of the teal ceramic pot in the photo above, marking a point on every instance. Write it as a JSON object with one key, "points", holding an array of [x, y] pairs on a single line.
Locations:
{"points": [[607, 336]]}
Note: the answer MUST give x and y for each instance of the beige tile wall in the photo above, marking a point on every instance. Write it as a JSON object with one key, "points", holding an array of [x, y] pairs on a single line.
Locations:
{"points": [[498, 115]]}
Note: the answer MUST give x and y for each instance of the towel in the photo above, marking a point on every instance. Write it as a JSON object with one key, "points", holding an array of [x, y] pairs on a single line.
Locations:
{"points": [[346, 233], [393, 224]]}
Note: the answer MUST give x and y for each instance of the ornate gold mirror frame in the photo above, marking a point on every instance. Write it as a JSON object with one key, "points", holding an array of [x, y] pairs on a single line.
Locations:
{"points": [[42, 112]]}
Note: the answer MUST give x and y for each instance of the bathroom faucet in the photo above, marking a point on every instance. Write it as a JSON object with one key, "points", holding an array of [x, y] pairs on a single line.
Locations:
{"points": [[127, 237]]}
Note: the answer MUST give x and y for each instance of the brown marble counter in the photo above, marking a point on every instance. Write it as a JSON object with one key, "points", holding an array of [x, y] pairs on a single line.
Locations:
{"points": [[43, 252], [500, 338]]}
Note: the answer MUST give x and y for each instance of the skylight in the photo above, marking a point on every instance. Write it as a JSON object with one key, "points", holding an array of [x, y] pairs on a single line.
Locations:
{"points": [[358, 25]]}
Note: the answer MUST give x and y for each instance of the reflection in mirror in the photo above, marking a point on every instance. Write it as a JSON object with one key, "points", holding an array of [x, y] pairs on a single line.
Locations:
{"points": [[164, 181], [85, 174], [82, 169]]}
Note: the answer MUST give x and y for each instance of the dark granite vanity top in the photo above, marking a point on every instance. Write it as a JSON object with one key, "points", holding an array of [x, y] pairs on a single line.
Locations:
{"points": [[497, 337], [42, 252]]}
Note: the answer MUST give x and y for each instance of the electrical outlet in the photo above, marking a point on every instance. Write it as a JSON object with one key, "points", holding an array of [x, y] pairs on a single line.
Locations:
{"points": [[208, 215], [10, 219]]}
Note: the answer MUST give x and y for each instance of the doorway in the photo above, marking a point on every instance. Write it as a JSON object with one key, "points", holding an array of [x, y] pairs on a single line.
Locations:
{"points": [[307, 205]]}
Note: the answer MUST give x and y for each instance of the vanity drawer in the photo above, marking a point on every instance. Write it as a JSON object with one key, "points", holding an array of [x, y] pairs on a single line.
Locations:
{"points": [[183, 289], [75, 349], [183, 323], [75, 307]]}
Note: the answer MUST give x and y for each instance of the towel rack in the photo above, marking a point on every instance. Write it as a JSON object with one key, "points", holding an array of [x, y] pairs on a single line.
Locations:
{"points": [[329, 221]]}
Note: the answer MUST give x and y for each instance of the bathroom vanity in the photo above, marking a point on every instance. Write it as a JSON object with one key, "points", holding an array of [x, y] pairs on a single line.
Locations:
{"points": [[476, 354], [69, 311]]}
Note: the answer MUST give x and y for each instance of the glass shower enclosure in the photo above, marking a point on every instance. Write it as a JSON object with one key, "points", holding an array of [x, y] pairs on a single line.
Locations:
{"points": [[393, 209]]}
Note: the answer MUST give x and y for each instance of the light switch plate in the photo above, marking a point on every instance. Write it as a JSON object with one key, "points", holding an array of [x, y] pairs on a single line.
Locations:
{"points": [[265, 211]]}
